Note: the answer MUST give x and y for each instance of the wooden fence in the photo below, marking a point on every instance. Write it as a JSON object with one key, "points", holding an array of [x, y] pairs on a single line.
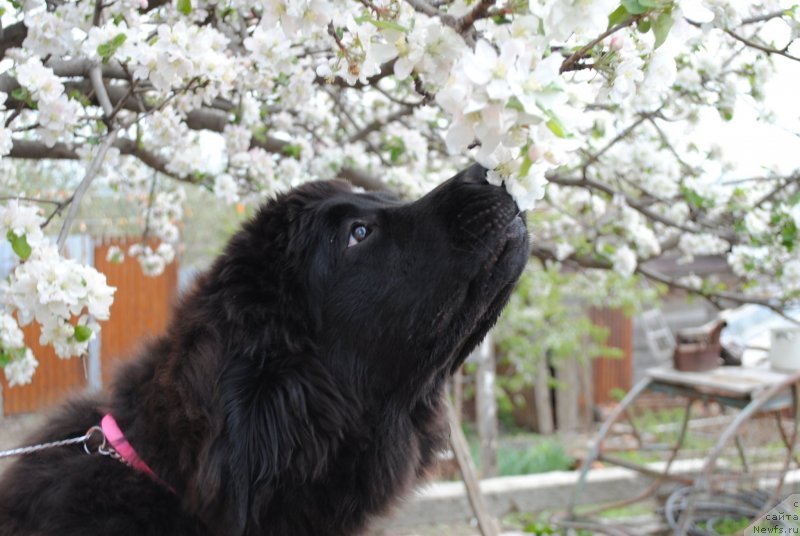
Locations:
{"points": [[613, 374], [141, 306], [140, 309], [584, 383]]}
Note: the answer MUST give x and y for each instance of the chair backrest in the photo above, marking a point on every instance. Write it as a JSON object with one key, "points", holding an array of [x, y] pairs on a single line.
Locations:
{"points": [[660, 339]]}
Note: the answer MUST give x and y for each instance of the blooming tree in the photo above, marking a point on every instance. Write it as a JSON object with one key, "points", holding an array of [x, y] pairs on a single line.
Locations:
{"points": [[576, 106]]}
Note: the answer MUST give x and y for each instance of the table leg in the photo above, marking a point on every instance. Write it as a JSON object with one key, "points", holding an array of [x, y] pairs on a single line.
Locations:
{"points": [[632, 395]]}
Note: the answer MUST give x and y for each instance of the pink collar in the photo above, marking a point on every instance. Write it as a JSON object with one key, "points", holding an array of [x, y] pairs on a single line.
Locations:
{"points": [[117, 439]]}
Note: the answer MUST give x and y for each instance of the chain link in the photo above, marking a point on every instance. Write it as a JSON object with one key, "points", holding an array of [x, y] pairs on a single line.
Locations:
{"points": [[43, 446]]}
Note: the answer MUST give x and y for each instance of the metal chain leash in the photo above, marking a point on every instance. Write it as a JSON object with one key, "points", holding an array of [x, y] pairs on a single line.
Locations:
{"points": [[103, 448], [42, 446]]}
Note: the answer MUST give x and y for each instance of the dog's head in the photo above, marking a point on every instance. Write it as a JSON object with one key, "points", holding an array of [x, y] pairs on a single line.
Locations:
{"points": [[386, 291]]}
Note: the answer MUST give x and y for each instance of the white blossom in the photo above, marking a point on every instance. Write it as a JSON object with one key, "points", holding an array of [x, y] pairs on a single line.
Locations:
{"points": [[11, 336], [20, 371], [226, 189]]}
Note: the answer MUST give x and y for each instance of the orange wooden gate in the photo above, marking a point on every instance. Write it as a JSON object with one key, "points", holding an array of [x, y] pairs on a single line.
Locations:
{"points": [[613, 373], [140, 309]]}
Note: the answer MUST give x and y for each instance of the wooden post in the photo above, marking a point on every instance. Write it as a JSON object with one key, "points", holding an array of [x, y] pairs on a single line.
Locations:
{"points": [[567, 395], [586, 400], [458, 393], [486, 407], [542, 400], [486, 524]]}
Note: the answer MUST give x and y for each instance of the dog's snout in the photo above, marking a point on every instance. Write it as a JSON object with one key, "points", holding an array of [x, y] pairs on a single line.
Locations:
{"points": [[475, 174]]}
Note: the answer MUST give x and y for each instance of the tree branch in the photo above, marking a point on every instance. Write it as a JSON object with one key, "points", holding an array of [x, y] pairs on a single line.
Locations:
{"points": [[591, 184], [96, 76], [12, 37], [386, 69], [379, 124], [714, 297], [91, 173], [479, 12]]}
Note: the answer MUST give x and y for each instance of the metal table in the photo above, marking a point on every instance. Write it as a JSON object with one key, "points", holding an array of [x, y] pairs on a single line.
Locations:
{"points": [[748, 390]]}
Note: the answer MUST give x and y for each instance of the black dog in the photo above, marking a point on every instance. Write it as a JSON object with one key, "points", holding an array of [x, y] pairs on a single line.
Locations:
{"points": [[299, 388]]}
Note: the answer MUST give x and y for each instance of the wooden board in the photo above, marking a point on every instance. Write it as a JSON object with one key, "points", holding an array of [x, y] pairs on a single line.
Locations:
{"points": [[742, 381]]}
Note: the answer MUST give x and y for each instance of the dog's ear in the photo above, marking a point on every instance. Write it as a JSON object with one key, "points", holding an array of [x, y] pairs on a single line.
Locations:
{"points": [[283, 423]]}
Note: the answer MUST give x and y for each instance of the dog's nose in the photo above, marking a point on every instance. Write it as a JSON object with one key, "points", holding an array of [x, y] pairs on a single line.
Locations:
{"points": [[475, 174]]}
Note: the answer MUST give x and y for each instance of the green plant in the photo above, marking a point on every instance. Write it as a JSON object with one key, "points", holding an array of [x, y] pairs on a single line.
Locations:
{"points": [[540, 455], [543, 456], [726, 525], [547, 321]]}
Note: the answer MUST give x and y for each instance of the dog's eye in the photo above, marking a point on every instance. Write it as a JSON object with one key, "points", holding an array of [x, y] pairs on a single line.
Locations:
{"points": [[357, 234]]}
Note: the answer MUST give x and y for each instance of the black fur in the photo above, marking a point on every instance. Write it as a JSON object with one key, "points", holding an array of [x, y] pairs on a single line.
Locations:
{"points": [[298, 390]]}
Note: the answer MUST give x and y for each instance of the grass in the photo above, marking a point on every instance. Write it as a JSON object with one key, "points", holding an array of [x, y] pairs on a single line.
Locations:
{"points": [[527, 455], [631, 510], [727, 526], [537, 524]]}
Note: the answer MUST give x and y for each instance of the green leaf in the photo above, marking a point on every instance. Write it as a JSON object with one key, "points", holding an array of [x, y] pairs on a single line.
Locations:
{"points": [[634, 7], [514, 104], [82, 333], [789, 235], [643, 25], [292, 151], [107, 49], [389, 25], [79, 97], [383, 24], [396, 147], [20, 94], [661, 28], [20, 245], [555, 125], [618, 16], [650, 3], [185, 7], [5, 359], [526, 163]]}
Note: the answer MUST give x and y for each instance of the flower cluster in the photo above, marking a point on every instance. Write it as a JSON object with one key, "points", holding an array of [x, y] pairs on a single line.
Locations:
{"points": [[58, 114], [63, 296]]}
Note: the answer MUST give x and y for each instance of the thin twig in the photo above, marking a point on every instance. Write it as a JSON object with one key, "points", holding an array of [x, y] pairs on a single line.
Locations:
{"points": [[123, 100], [150, 197], [581, 52], [91, 173], [665, 140], [778, 189], [58, 210], [619, 137], [763, 48], [765, 17], [379, 124], [30, 199]]}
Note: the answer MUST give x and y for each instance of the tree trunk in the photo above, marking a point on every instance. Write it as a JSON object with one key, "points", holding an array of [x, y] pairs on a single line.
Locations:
{"points": [[542, 400]]}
